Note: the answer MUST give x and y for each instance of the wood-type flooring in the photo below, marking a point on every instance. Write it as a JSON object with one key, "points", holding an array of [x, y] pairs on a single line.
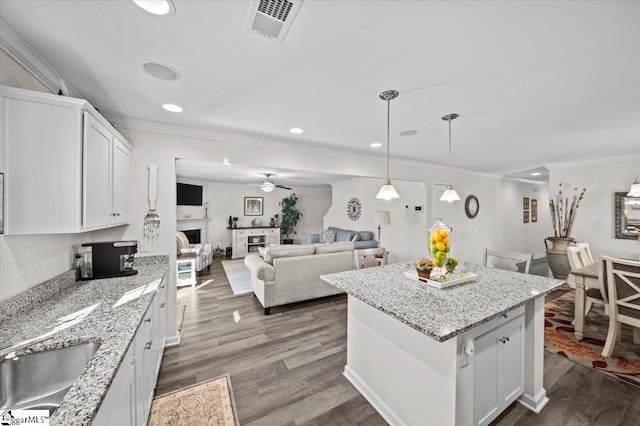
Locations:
{"points": [[286, 368]]}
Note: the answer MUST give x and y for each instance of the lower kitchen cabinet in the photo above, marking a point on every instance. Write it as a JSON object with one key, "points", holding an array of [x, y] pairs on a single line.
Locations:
{"points": [[128, 400], [499, 369]]}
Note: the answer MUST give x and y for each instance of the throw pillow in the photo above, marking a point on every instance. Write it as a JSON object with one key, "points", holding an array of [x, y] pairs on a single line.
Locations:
{"points": [[327, 236], [354, 237]]}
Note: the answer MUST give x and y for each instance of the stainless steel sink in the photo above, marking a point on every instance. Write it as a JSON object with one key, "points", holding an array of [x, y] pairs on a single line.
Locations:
{"points": [[41, 380]]}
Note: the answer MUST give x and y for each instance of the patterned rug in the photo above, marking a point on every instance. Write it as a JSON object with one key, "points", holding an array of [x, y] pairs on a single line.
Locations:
{"points": [[624, 363], [209, 403]]}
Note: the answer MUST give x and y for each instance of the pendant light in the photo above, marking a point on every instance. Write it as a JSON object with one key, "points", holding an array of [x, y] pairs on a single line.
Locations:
{"points": [[450, 194], [387, 191], [634, 191]]}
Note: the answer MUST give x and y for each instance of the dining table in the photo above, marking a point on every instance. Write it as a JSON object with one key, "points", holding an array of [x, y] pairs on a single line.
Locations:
{"points": [[585, 278]]}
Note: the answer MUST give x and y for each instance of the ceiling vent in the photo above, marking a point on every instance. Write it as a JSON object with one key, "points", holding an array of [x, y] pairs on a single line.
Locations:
{"points": [[272, 18]]}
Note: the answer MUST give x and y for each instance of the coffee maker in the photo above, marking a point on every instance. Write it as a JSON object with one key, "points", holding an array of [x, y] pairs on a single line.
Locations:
{"points": [[106, 259]]}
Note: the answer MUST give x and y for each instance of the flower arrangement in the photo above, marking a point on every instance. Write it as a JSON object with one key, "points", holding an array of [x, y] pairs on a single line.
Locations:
{"points": [[563, 213], [451, 264], [424, 265]]}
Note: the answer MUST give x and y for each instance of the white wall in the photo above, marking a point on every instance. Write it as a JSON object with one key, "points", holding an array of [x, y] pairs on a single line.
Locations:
{"points": [[227, 199], [595, 219], [405, 238]]}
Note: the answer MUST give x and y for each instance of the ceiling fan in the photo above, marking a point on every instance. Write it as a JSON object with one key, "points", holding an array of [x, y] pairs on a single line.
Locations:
{"points": [[268, 185]]}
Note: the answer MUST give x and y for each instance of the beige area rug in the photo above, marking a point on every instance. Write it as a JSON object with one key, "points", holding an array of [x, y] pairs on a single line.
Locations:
{"points": [[208, 403], [238, 275]]}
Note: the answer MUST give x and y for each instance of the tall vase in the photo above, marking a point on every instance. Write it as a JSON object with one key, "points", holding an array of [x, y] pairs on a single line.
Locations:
{"points": [[557, 256]]}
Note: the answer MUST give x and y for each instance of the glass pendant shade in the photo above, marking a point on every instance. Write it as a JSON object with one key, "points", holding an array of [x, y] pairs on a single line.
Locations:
{"points": [[387, 192], [450, 195], [634, 191]]}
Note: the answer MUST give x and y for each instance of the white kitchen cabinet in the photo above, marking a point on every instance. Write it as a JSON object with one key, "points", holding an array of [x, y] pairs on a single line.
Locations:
{"points": [[499, 369], [129, 398], [118, 407], [247, 240], [65, 167]]}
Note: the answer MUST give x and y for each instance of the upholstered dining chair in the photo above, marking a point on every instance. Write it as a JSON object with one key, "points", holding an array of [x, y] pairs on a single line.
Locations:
{"points": [[366, 258], [507, 259], [585, 254], [622, 279]]}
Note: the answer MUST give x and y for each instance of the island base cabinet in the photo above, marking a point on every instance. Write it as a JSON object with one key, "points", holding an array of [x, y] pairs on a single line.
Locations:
{"points": [[413, 379], [498, 369]]}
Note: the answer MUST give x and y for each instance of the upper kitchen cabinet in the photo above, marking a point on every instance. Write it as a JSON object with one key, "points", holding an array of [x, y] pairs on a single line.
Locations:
{"points": [[66, 169]]}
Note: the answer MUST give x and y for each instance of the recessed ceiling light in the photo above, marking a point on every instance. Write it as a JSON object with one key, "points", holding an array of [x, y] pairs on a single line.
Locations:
{"points": [[172, 107], [296, 130], [157, 7], [408, 133], [535, 174], [375, 145], [160, 71]]}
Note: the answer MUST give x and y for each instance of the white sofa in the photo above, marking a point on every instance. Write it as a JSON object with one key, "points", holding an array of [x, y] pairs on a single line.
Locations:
{"points": [[291, 273], [203, 252]]}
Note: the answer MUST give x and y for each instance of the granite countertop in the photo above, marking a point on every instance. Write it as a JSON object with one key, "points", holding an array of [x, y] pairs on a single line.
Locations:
{"points": [[39, 310], [442, 313]]}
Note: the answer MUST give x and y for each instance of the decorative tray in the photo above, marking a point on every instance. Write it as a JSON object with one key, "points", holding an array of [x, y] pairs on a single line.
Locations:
{"points": [[455, 279]]}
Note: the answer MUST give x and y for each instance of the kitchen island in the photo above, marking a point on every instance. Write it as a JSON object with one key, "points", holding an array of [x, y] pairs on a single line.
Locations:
{"points": [[454, 356]]}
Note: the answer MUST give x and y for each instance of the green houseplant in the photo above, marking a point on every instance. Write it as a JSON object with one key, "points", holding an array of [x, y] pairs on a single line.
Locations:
{"points": [[290, 217]]}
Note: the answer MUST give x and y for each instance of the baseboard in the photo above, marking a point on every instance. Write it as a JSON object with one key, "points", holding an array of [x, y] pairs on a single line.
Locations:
{"points": [[535, 404], [383, 409], [172, 341]]}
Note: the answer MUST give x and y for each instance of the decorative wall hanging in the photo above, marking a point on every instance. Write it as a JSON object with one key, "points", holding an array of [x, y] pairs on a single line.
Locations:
{"points": [[253, 206], [525, 216], [354, 209], [534, 210], [471, 206], [525, 203], [151, 226]]}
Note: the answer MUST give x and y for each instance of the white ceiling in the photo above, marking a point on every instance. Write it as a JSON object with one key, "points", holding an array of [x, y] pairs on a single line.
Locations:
{"points": [[244, 174], [535, 83]]}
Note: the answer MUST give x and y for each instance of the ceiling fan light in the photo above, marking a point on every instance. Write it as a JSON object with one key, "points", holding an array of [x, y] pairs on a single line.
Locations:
{"points": [[387, 192], [450, 195], [267, 186]]}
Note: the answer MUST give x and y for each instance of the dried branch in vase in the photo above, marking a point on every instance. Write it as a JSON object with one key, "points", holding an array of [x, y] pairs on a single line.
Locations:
{"points": [[563, 214]]}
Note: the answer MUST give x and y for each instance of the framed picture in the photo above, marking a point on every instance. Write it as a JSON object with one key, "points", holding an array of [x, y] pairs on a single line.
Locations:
{"points": [[534, 210], [525, 203], [525, 217], [253, 206]]}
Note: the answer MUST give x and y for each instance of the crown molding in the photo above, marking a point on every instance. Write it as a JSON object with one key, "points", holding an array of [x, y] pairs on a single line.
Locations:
{"points": [[17, 48], [593, 161]]}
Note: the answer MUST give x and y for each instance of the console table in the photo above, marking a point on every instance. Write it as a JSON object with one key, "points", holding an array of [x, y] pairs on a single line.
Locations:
{"points": [[245, 240]]}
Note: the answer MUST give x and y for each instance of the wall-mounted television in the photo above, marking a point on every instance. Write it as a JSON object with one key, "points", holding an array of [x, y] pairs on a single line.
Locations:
{"points": [[189, 195]]}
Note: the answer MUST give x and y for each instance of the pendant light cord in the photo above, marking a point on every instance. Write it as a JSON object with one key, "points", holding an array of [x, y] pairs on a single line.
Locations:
{"points": [[388, 125], [450, 154]]}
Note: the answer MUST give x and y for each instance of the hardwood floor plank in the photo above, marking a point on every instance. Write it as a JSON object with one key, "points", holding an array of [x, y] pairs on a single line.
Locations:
{"points": [[286, 368]]}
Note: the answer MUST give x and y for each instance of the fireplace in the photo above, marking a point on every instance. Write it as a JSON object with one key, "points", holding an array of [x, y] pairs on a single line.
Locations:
{"points": [[193, 235]]}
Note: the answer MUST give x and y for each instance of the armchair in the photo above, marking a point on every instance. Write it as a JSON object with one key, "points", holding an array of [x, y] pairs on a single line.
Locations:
{"points": [[203, 252]]}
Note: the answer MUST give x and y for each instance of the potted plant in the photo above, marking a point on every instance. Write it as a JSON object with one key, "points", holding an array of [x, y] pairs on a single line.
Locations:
{"points": [[290, 217], [451, 264], [563, 214], [424, 267]]}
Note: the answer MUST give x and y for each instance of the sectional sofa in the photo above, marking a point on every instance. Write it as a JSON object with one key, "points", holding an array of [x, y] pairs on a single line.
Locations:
{"points": [[291, 273], [360, 239]]}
